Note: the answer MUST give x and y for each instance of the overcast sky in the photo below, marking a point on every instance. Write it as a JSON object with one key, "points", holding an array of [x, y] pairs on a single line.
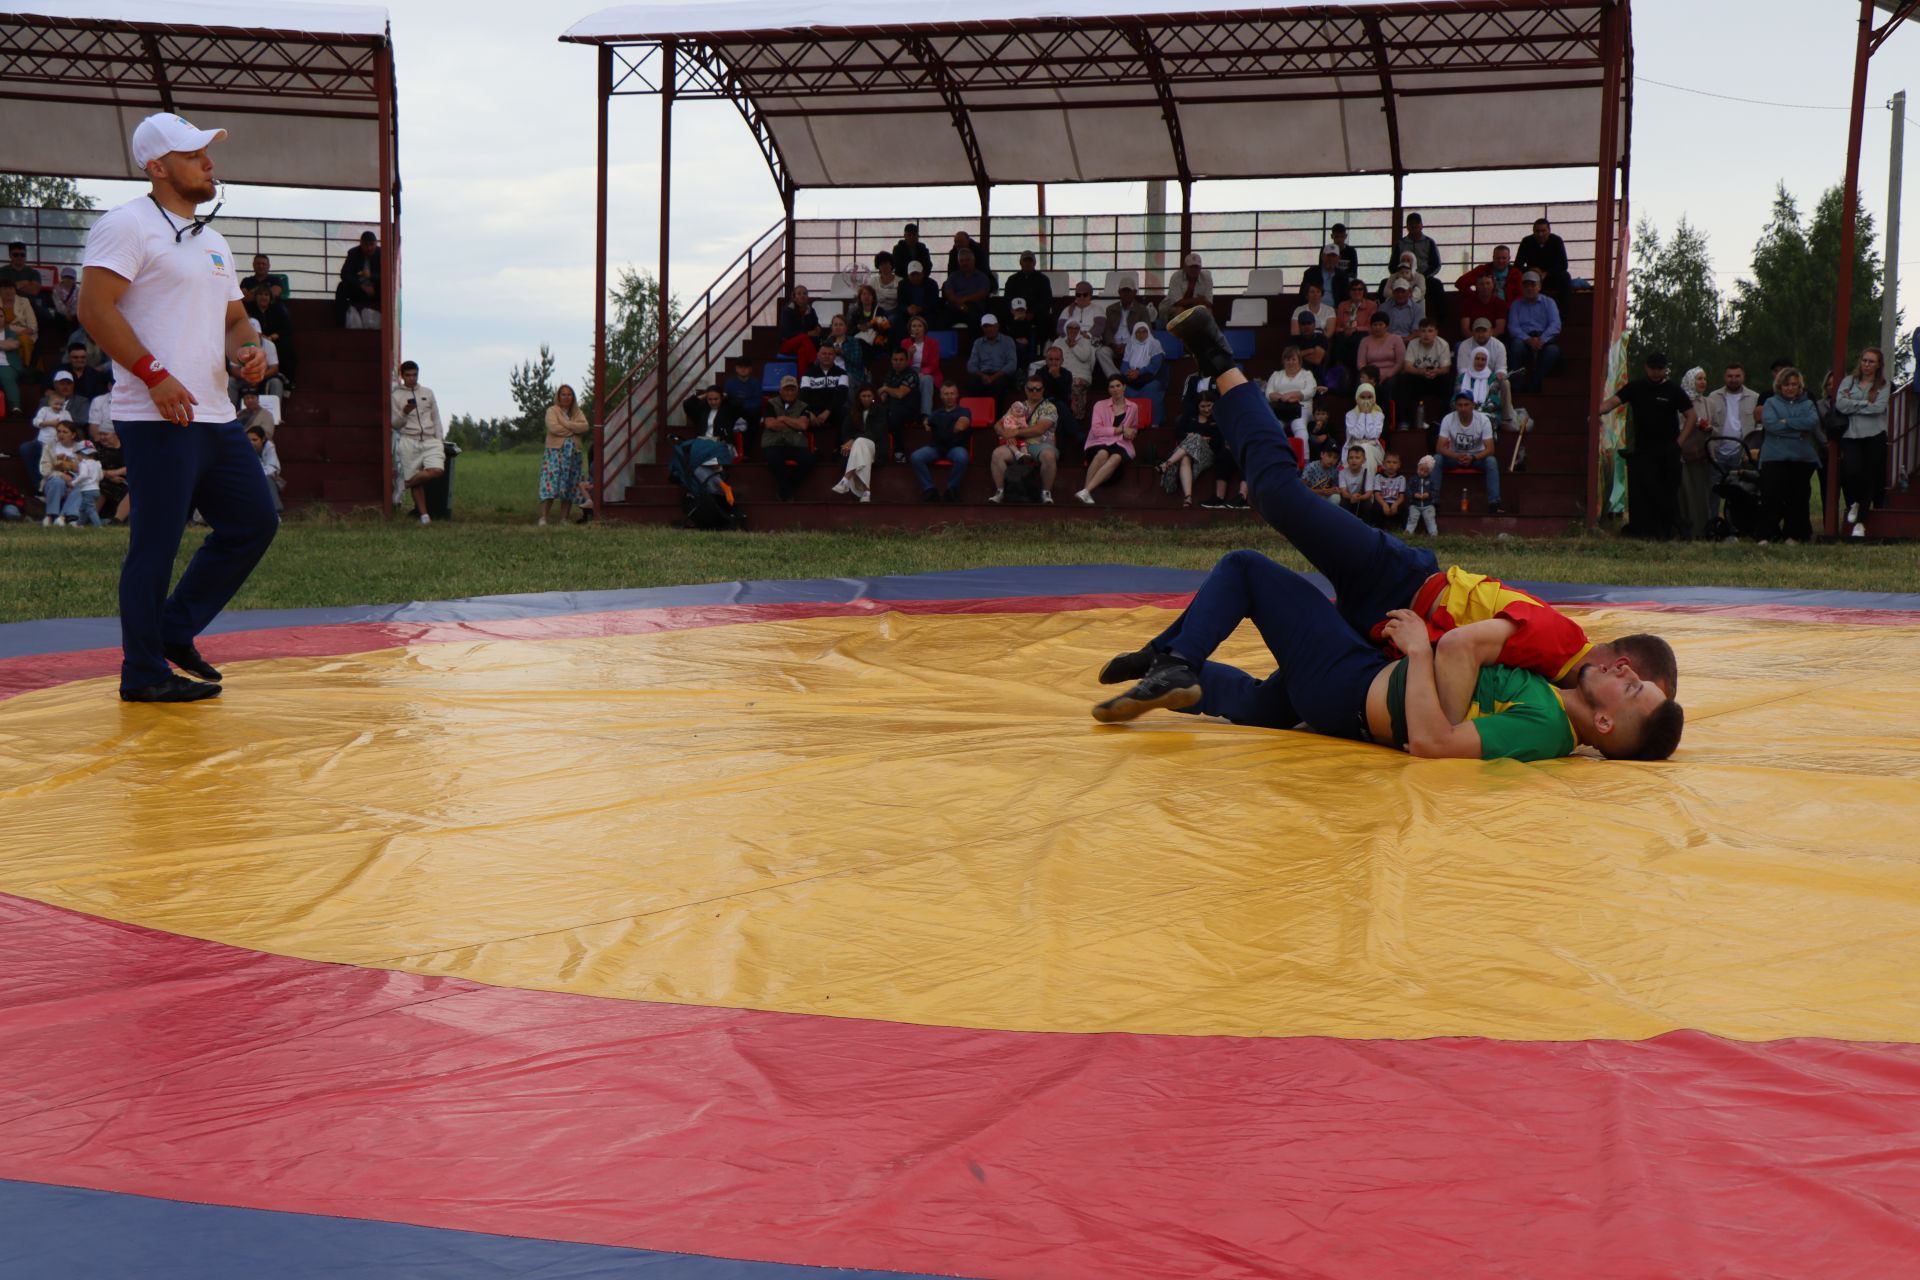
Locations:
{"points": [[497, 157]]}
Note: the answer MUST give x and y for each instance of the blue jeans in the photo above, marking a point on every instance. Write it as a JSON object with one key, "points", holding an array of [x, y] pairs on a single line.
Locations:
{"points": [[1371, 571], [30, 451], [89, 503], [923, 458], [62, 501], [1536, 365], [209, 467], [1326, 667]]}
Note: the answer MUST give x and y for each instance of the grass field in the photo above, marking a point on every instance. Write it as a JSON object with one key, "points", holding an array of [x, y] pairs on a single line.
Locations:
{"points": [[493, 548]]}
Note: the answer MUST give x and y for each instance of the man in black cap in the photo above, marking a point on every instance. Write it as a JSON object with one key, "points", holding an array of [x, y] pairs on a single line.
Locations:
{"points": [[1662, 412], [909, 248]]}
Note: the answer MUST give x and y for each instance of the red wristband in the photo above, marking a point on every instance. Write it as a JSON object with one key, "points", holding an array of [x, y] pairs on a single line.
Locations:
{"points": [[150, 371]]}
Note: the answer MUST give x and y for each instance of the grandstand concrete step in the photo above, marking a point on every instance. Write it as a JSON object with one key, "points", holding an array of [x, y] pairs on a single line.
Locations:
{"points": [[843, 514], [1137, 489], [1894, 522]]}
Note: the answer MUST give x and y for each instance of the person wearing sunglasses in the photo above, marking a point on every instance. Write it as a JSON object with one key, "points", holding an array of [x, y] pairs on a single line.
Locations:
{"points": [[161, 296]]}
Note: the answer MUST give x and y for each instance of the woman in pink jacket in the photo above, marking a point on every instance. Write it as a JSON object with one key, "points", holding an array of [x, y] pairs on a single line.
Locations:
{"points": [[1116, 420], [923, 355]]}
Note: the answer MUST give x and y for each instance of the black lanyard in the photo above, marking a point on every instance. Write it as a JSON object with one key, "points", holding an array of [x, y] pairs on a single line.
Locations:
{"points": [[195, 227]]}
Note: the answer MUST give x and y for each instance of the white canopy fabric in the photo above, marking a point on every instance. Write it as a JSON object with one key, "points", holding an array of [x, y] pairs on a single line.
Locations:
{"points": [[294, 85], [964, 92]]}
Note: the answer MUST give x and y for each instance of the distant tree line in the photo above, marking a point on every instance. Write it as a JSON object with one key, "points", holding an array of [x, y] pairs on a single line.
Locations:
{"points": [[632, 331], [1784, 306]]}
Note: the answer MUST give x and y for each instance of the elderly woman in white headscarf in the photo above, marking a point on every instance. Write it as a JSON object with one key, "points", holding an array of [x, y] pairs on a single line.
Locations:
{"points": [[1407, 272], [1488, 388], [1366, 426], [1143, 367]]}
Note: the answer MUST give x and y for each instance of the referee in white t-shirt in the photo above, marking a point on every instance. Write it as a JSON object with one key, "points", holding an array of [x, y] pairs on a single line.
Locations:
{"points": [[162, 297]]}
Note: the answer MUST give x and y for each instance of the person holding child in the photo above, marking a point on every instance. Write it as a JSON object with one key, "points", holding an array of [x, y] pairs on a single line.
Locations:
{"points": [[59, 472]]}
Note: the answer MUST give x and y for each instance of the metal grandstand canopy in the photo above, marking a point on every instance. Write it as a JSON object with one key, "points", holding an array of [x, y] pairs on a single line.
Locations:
{"points": [[992, 91], [305, 91], [989, 92]]}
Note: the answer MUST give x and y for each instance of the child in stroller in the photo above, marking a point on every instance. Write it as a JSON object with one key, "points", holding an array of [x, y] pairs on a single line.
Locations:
{"points": [[1736, 483], [699, 467]]}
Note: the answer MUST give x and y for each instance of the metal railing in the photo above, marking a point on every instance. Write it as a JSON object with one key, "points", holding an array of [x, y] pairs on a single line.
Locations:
{"points": [[713, 328], [308, 252], [1903, 436], [1232, 245]]}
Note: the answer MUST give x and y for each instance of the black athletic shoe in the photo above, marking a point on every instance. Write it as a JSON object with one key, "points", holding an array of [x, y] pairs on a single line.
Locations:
{"points": [[188, 659], [1127, 667], [173, 689], [1238, 504], [1214, 504], [1200, 334], [1172, 684], [929, 495]]}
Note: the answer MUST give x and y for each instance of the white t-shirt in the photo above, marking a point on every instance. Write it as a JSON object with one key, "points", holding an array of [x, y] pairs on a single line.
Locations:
{"points": [[176, 300], [46, 419], [1388, 487], [1468, 437]]}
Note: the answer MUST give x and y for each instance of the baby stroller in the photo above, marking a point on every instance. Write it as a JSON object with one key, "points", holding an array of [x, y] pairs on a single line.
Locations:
{"points": [[1736, 483], [699, 467]]}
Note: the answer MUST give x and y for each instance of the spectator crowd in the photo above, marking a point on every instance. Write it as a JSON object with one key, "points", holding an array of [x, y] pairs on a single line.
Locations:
{"points": [[56, 383], [914, 368]]}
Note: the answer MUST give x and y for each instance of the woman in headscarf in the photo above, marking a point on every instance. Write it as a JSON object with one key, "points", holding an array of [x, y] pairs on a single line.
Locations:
{"points": [[1142, 364], [1407, 272], [1490, 392], [1366, 424], [1696, 468]]}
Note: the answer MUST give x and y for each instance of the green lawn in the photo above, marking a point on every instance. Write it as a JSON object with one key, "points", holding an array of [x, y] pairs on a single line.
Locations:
{"points": [[494, 548]]}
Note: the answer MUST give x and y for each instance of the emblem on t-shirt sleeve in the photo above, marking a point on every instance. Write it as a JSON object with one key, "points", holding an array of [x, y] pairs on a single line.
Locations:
{"points": [[219, 263]]}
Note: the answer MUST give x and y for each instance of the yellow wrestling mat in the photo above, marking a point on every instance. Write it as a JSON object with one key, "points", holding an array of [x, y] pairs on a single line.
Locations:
{"points": [[912, 817]]}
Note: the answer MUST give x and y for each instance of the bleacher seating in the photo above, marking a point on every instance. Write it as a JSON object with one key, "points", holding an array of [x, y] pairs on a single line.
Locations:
{"points": [[1543, 499]]}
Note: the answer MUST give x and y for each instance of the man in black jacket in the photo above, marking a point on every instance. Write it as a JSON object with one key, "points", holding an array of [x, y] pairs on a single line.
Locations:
{"points": [[1546, 253], [1036, 287], [910, 248], [1331, 275]]}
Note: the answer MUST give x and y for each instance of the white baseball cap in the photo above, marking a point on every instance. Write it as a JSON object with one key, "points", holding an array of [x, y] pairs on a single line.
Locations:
{"points": [[163, 132]]}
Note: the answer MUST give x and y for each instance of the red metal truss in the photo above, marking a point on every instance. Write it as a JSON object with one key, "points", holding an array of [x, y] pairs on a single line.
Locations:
{"points": [[187, 68]]}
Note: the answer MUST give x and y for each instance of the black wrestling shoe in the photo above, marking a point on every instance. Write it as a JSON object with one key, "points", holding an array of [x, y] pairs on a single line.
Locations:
{"points": [[1127, 667], [1172, 684], [1200, 334], [188, 659], [172, 689]]}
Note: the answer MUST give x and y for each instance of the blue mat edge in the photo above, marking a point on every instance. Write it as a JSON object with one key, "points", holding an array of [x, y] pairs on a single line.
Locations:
{"points": [[65, 635]]}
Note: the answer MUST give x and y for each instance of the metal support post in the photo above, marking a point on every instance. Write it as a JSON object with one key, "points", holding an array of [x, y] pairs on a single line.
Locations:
{"points": [[605, 93], [669, 57], [1889, 305], [1849, 214], [1604, 254]]}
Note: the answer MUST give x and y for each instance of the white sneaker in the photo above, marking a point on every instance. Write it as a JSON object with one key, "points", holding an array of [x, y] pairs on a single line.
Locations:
{"points": [[1853, 514], [1859, 531], [1046, 497], [999, 495], [866, 495], [425, 518], [541, 521], [59, 522], [46, 522], [1085, 497], [842, 487]]}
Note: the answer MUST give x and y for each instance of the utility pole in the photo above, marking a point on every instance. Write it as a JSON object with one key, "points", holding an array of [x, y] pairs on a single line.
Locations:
{"points": [[1889, 305]]}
